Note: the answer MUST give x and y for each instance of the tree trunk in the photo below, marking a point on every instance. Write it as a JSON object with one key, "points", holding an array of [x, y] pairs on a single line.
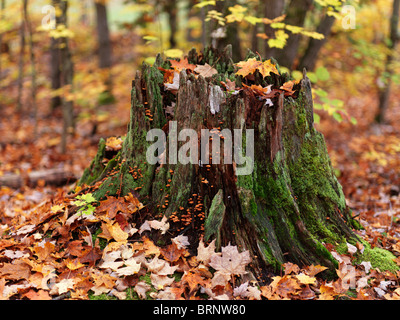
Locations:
{"points": [[296, 16], [309, 58], [384, 91], [2, 7], [170, 7], [21, 64], [272, 10], [33, 111], [105, 49], [67, 73], [282, 210]]}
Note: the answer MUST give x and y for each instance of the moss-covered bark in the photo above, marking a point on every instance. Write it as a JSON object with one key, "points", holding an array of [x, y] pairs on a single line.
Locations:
{"points": [[286, 209]]}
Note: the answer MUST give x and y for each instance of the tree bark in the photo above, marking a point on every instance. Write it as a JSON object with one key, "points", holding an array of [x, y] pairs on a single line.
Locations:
{"points": [[309, 58], [105, 50], [284, 210], [384, 91], [55, 72], [170, 7], [33, 111], [272, 10], [21, 64], [103, 34], [67, 74], [296, 15], [2, 7]]}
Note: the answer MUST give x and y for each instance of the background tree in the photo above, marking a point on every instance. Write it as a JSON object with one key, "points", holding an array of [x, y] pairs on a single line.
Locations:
{"points": [[67, 73], [21, 62], [296, 13], [104, 48], [55, 66], [310, 57], [384, 89], [272, 10]]}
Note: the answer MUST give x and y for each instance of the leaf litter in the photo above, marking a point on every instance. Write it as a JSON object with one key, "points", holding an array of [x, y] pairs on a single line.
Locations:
{"points": [[55, 251]]}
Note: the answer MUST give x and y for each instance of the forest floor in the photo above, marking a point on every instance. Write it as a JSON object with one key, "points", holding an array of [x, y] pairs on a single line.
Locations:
{"points": [[38, 259]]}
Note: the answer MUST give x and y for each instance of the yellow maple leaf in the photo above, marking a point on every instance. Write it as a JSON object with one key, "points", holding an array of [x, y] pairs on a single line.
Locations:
{"points": [[116, 232], [267, 67], [305, 279], [252, 64], [73, 264]]}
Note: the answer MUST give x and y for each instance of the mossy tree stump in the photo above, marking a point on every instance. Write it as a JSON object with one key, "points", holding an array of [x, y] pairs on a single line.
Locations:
{"points": [[288, 206]]}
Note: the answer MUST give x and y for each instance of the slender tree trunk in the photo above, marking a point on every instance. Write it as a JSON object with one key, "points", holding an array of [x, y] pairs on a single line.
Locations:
{"points": [[204, 27], [55, 63], [2, 7], [227, 35], [84, 14], [55, 72], [296, 15], [67, 73], [33, 111], [309, 58], [103, 34], [384, 92], [105, 50], [21, 63], [272, 10], [171, 9], [282, 210]]}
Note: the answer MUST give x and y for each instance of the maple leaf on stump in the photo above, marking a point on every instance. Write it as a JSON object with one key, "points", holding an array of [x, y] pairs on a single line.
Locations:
{"points": [[251, 65]]}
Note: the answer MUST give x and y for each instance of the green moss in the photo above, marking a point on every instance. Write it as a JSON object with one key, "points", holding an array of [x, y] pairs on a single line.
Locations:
{"points": [[379, 258], [215, 218], [96, 166], [102, 296]]}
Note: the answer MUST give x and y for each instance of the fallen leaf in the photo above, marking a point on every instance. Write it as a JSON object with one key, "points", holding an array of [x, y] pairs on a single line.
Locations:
{"points": [[73, 264], [64, 285], [162, 225], [172, 253], [160, 267], [291, 268], [182, 64], [193, 279], [230, 261], [175, 83], [141, 288], [181, 241], [160, 281], [204, 253], [112, 206], [116, 232], [16, 270], [131, 267], [313, 270], [305, 279], [39, 295], [351, 249], [229, 85], [251, 65], [205, 70], [288, 87]]}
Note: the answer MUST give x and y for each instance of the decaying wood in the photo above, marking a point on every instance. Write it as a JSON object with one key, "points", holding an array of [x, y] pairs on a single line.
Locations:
{"points": [[54, 177], [283, 211]]}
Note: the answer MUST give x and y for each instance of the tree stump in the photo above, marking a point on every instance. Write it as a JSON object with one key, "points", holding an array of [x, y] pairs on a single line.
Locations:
{"points": [[285, 209]]}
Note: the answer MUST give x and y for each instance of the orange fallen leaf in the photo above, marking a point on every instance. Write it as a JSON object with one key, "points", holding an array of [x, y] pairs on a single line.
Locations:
{"points": [[181, 65], [251, 65], [74, 264]]}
